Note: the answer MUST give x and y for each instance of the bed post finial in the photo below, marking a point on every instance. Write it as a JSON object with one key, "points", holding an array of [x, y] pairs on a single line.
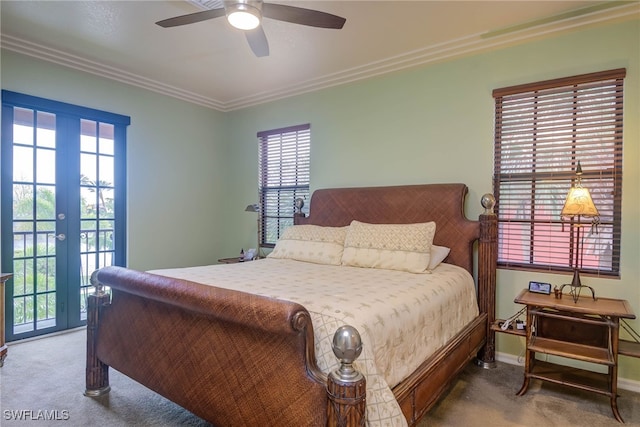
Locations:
{"points": [[96, 283], [487, 262], [298, 215], [346, 387], [488, 202]]}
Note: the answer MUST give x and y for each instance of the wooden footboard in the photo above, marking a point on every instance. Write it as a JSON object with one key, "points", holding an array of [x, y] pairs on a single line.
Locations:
{"points": [[229, 357]]}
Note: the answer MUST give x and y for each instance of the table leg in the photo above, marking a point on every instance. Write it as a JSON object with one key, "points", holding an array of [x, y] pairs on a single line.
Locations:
{"points": [[525, 386], [528, 361], [614, 408]]}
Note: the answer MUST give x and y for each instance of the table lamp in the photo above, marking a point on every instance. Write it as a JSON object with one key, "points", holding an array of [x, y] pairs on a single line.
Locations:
{"points": [[578, 204], [255, 208]]}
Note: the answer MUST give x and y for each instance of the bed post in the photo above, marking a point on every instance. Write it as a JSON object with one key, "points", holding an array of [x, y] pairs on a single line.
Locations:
{"points": [[346, 387], [487, 261], [298, 214], [97, 373]]}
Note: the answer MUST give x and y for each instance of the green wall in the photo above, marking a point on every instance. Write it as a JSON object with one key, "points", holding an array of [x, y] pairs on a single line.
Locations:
{"points": [[435, 124], [175, 162], [192, 171]]}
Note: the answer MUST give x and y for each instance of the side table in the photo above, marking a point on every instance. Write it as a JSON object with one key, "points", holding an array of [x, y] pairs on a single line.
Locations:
{"points": [[233, 260], [3, 346], [586, 330]]}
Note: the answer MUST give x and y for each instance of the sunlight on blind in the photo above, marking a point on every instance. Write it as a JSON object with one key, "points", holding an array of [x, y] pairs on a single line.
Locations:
{"points": [[541, 131]]}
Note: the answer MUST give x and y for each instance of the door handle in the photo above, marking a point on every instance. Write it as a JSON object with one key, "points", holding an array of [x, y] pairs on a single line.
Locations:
{"points": [[61, 236]]}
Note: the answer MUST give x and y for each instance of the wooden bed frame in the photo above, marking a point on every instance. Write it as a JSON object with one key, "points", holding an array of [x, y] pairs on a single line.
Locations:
{"points": [[234, 358]]}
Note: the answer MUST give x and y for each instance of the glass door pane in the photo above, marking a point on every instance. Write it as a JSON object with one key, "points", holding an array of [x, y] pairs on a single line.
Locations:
{"points": [[34, 221], [97, 214]]}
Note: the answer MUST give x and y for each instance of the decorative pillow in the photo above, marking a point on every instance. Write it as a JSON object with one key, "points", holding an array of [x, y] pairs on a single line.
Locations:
{"points": [[405, 247], [311, 243], [438, 254]]}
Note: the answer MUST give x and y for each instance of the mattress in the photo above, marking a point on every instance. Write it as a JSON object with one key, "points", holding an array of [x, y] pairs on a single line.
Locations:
{"points": [[402, 317]]}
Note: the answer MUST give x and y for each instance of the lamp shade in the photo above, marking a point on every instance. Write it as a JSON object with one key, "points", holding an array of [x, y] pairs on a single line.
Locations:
{"points": [[252, 208], [579, 203]]}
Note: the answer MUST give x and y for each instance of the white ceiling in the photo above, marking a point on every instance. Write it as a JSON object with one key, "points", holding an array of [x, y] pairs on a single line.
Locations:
{"points": [[211, 64]]}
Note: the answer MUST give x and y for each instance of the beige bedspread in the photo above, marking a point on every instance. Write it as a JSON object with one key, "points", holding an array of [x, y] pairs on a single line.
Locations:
{"points": [[402, 317]]}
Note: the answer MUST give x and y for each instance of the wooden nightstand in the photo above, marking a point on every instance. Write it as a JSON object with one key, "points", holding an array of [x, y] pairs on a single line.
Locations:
{"points": [[586, 330], [3, 346], [235, 260], [230, 260]]}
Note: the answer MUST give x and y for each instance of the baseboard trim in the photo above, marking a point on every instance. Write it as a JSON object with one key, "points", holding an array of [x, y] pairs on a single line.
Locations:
{"points": [[623, 383], [49, 335]]}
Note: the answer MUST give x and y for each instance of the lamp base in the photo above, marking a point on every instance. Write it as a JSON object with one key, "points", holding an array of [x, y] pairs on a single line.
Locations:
{"points": [[576, 286]]}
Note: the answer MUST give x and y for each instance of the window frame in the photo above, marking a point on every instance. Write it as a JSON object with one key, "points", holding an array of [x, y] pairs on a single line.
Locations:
{"points": [[556, 173], [283, 176]]}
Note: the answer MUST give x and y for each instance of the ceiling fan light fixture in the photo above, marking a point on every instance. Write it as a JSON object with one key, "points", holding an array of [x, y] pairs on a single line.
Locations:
{"points": [[243, 16]]}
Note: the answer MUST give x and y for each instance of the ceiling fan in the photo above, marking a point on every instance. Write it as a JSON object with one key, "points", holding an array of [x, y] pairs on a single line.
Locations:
{"points": [[247, 15]]}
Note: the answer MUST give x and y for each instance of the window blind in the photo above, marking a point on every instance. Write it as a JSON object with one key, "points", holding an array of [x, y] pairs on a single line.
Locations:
{"points": [[542, 131], [284, 177]]}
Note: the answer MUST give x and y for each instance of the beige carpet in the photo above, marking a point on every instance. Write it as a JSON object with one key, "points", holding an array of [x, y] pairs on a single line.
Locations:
{"points": [[45, 379]]}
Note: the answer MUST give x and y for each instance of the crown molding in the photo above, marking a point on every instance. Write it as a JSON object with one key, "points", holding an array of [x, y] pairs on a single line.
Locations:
{"points": [[72, 61], [452, 49], [465, 46]]}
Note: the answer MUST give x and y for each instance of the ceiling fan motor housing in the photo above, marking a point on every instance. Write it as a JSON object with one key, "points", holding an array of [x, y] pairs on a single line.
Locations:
{"points": [[243, 14]]}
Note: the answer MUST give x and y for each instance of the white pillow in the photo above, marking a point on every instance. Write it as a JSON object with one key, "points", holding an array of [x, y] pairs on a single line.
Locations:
{"points": [[405, 247], [438, 254], [311, 243]]}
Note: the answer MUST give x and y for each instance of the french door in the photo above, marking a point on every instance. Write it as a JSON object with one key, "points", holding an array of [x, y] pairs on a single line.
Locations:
{"points": [[63, 209]]}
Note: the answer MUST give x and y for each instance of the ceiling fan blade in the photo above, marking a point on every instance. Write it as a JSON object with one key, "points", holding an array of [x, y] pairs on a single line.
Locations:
{"points": [[258, 41], [191, 18], [299, 15]]}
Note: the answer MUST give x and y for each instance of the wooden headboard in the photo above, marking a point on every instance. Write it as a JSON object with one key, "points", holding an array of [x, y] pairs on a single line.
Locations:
{"points": [[442, 203]]}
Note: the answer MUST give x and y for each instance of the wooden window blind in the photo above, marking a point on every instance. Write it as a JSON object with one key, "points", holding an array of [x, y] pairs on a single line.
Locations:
{"points": [[542, 131], [284, 177]]}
